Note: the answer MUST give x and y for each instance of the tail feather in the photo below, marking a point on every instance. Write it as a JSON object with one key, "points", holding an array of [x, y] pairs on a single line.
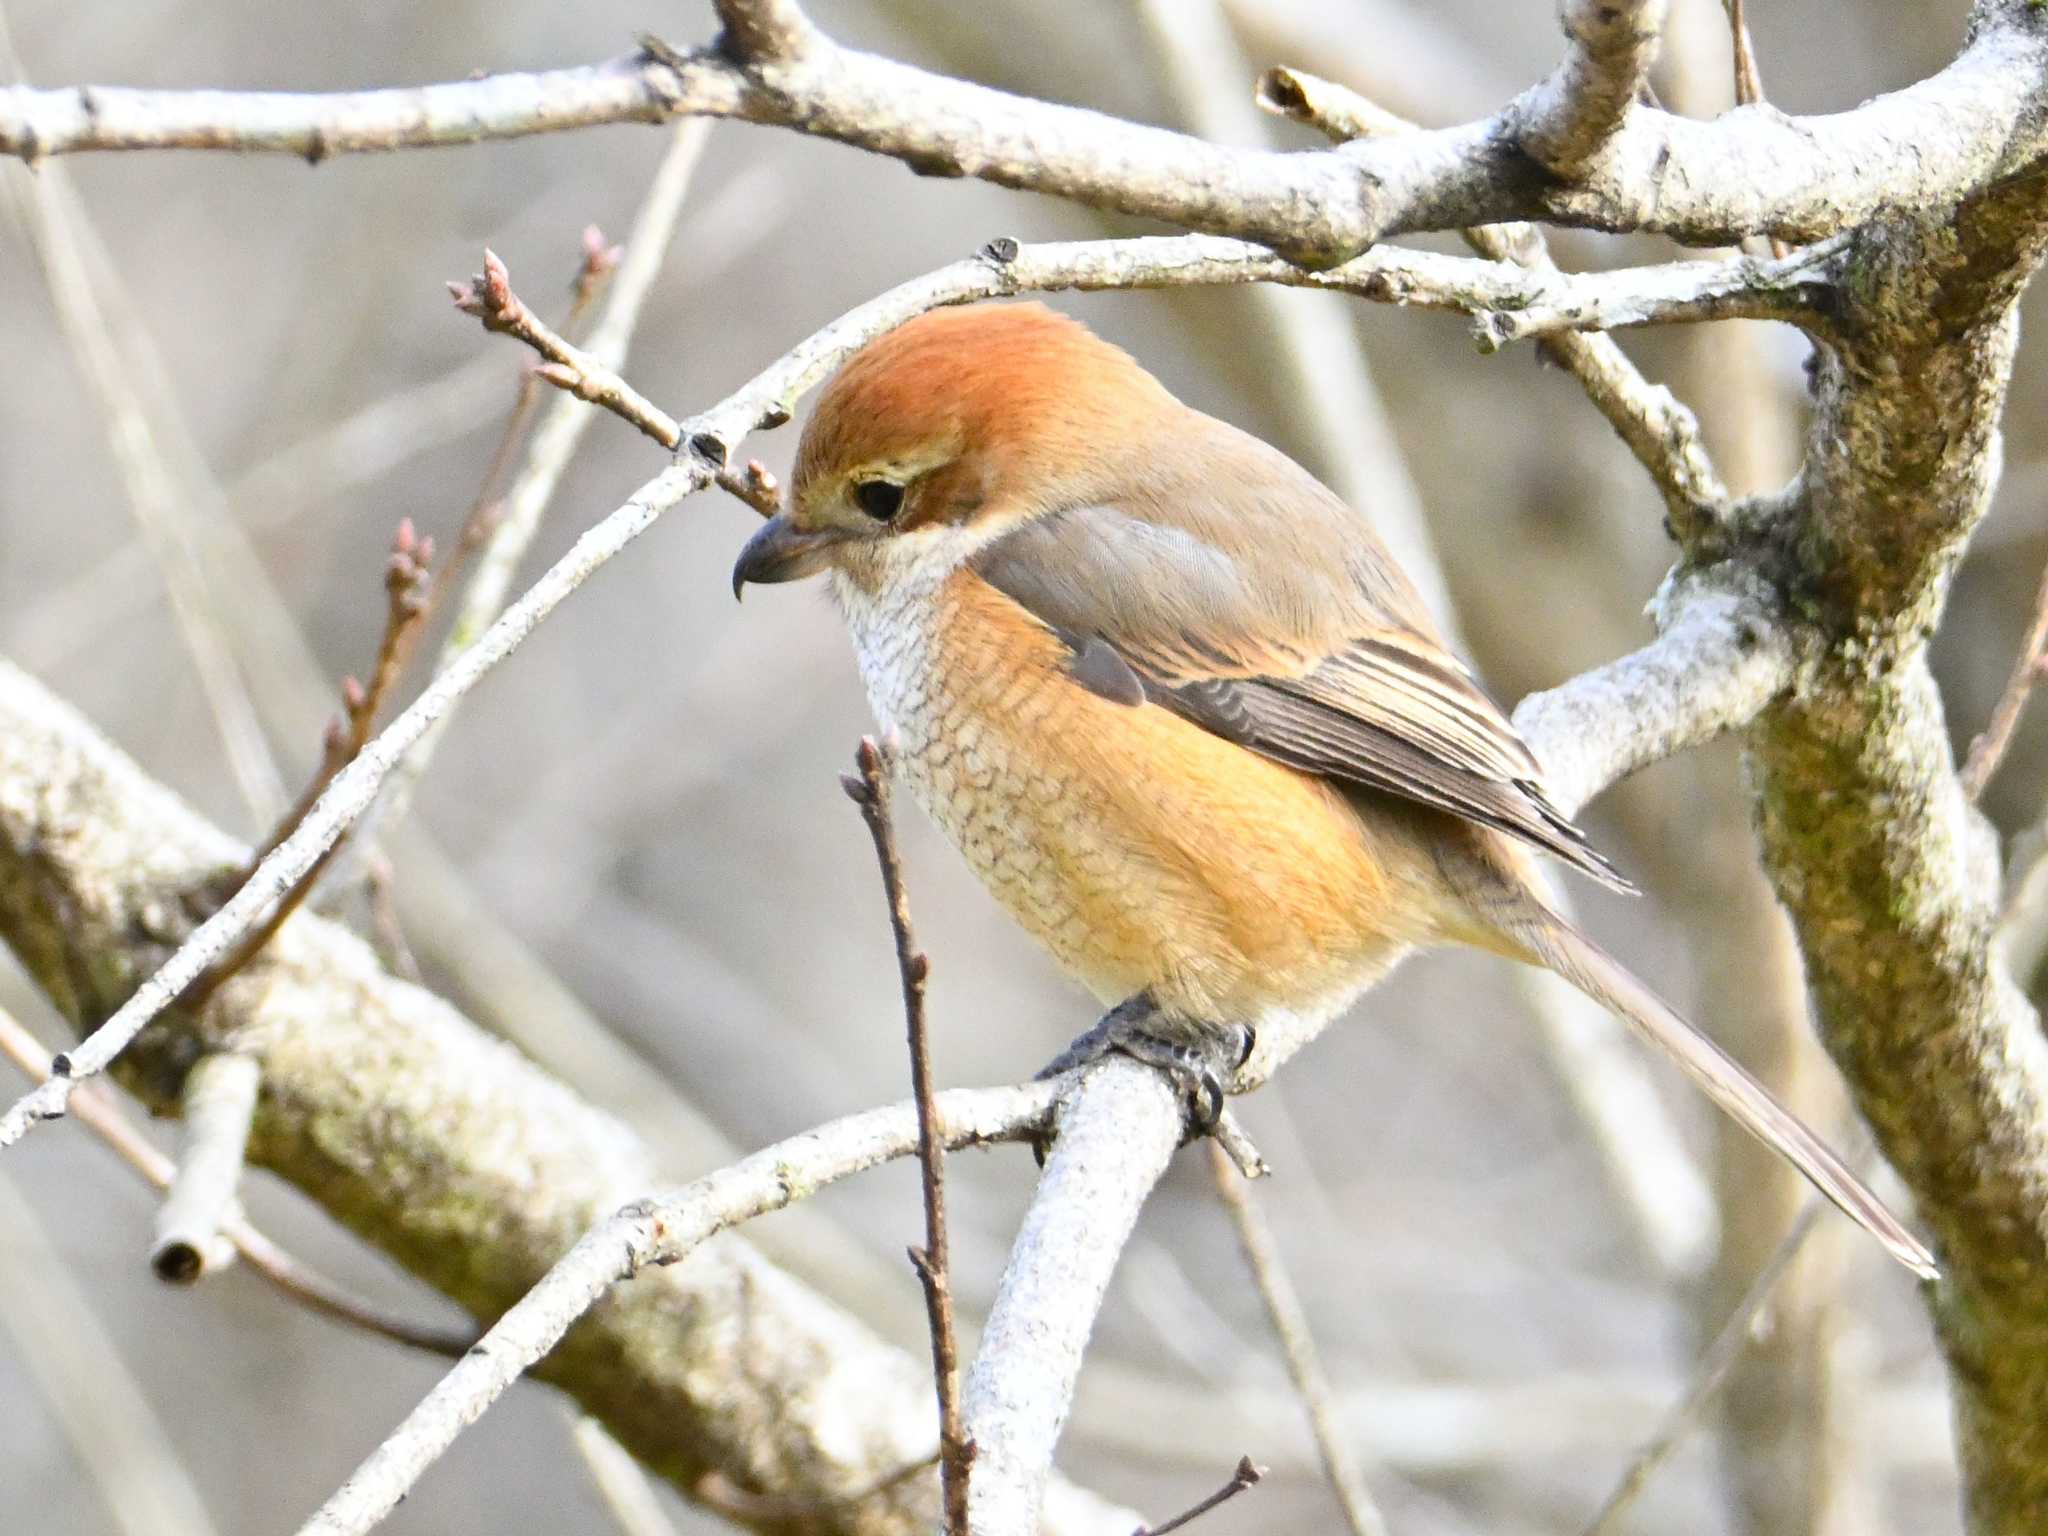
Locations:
{"points": [[1563, 949]]}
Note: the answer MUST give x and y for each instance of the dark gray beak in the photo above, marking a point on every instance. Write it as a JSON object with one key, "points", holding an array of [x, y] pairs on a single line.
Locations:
{"points": [[781, 552]]}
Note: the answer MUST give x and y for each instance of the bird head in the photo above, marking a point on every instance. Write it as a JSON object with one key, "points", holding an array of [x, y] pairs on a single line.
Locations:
{"points": [[948, 432]]}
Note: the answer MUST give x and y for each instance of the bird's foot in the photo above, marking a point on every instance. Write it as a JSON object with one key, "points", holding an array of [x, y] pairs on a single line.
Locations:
{"points": [[1198, 1058]]}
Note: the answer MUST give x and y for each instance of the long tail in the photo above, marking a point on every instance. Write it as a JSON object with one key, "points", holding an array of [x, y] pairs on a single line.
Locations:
{"points": [[1563, 949]]}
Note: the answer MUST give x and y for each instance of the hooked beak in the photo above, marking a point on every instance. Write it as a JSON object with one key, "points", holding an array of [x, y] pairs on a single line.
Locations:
{"points": [[782, 552]]}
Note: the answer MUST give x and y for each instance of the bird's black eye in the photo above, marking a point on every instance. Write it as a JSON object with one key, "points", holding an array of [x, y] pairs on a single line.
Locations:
{"points": [[880, 499]]}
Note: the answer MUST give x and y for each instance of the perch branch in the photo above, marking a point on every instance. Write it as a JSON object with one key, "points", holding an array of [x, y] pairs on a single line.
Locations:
{"points": [[1117, 1130]]}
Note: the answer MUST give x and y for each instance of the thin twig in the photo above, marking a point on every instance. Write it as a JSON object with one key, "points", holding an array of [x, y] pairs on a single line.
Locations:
{"points": [[1715, 1367], [662, 1230], [600, 260], [408, 589], [1298, 1345], [387, 928], [98, 1114], [1248, 1472], [868, 788], [1749, 81], [219, 1102], [490, 298], [1989, 749]]}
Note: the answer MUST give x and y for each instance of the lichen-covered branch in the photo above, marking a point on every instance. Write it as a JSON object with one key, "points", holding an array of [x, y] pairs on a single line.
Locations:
{"points": [[1889, 874]]}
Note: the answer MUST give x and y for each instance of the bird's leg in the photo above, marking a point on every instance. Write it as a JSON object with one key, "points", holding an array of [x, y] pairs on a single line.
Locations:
{"points": [[1198, 1057]]}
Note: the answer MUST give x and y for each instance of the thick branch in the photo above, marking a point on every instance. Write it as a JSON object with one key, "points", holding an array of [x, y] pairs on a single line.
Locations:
{"points": [[1751, 171], [1889, 874]]}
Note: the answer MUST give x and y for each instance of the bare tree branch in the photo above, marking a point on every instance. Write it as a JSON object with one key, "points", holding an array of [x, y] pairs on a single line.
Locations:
{"points": [[1659, 431], [1988, 750], [1715, 1366], [289, 1275], [1247, 1475], [1117, 1129], [1706, 183], [1720, 659]]}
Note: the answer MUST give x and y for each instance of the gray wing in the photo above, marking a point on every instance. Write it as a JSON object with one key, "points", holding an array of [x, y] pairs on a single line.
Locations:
{"points": [[1299, 662]]}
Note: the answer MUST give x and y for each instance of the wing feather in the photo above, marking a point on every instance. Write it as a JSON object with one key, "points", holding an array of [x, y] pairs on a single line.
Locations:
{"points": [[1313, 666]]}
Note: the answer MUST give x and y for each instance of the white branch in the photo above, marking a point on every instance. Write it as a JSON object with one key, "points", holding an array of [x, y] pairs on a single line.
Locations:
{"points": [[1116, 1134], [1721, 657]]}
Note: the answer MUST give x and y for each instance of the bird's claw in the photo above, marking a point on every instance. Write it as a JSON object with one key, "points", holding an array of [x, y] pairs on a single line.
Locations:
{"points": [[1198, 1067]]}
